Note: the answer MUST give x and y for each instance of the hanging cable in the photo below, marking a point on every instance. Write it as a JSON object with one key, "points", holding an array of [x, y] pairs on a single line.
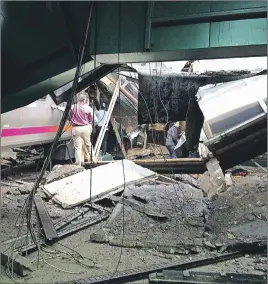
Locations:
{"points": [[29, 202], [123, 167]]}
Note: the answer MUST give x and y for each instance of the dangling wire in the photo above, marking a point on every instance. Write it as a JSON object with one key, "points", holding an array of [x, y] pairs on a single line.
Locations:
{"points": [[27, 208], [121, 134], [93, 112]]}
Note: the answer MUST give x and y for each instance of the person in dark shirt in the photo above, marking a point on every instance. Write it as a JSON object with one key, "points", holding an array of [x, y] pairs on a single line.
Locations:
{"points": [[173, 135]]}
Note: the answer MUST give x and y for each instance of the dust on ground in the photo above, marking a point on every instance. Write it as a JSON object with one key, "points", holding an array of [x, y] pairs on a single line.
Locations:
{"points": [[235, 212]]}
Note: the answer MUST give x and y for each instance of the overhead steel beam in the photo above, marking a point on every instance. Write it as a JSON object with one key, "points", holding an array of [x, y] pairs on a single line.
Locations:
{"points": [[33, 93], [186, 54], [209, 17], [88, 79]]}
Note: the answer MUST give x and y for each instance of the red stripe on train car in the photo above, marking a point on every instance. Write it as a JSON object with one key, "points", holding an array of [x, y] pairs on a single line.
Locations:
{"points": [[7, 132]]}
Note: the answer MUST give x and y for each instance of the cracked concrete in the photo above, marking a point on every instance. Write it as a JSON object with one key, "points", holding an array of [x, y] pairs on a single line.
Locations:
{"points": [[181, 233], [236, 216], [239, 214]]}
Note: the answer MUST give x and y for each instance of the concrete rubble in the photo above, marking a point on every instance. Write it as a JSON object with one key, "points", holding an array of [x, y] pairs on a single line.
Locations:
{"points": [[169, 215]]}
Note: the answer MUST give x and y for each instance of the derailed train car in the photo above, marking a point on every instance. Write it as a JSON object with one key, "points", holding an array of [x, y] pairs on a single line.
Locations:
{"points": [[34, 127], [235, 119]]}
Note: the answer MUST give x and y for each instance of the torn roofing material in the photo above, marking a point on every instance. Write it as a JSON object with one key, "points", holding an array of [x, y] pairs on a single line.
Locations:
{"points": [[166, 98], [108, 179]]}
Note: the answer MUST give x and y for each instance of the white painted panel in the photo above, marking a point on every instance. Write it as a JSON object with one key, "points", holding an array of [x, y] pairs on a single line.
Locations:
{"points": [[75, 189]]}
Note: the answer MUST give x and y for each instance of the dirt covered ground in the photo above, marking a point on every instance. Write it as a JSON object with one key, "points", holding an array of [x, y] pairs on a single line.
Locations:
{"points": [[236, 216]]}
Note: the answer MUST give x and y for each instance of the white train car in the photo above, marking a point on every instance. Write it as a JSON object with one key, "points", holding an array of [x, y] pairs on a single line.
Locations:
{"points": [[235, 125], [35, 126]]}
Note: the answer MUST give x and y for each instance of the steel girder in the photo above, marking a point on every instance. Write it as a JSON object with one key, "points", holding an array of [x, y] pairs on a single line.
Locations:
{"points": [[40, 40]]}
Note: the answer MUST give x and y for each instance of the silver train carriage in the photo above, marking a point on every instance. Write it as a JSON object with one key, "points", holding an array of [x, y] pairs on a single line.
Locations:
{"points": [[235, 126], [34, 127]]}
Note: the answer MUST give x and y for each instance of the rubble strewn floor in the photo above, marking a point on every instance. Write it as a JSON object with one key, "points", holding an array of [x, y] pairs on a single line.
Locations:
{"points": [[163, 223], [239, 215], [181, 204]]}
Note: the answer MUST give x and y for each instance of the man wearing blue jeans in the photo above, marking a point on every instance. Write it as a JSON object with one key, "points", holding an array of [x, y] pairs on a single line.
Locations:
{"points": [[173, 135]]}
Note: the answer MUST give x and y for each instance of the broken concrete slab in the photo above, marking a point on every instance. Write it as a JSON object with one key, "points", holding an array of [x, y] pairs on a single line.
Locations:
{"points": [[61, 171], [182, 230], [105, 180]]}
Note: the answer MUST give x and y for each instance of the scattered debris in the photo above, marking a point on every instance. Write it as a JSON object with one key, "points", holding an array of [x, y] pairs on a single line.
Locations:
{"points": [[228, 180], [168, 216], [191, 277], [137, 153], [239, 172], [164, 212], [232, 216], [188, 179], [16, 262], [25, 188], [216, 183]]}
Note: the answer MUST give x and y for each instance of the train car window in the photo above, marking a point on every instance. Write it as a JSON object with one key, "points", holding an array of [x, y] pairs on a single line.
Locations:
{"points": [[233, 118]]}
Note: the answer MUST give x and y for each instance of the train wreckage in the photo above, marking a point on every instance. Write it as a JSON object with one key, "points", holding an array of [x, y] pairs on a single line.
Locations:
{"points": [[223, 136], [210, 131]]}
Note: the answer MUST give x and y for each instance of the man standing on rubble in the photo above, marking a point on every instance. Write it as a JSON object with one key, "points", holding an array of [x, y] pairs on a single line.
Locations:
{"points": [[173, 135], [81, 117]]}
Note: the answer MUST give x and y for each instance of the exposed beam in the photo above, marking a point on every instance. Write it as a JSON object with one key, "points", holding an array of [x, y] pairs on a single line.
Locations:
{"points": [[37, 91], [89, 79], [186, 54], [219, 16]]}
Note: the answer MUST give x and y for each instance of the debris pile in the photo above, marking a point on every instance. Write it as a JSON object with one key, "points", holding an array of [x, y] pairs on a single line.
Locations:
{"points": [[165, 217], [138, 208]]}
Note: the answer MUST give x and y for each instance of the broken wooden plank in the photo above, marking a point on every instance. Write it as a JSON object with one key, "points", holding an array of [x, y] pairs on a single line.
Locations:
{"points": [[83, 223], [47, 224], [18, 263], [23, 182], [69, 218], [137, 153], [98, 208], [67, 230], [9, 184]]}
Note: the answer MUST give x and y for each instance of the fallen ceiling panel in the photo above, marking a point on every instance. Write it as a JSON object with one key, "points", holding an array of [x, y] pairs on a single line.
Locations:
{"points": [[82, 187]]}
